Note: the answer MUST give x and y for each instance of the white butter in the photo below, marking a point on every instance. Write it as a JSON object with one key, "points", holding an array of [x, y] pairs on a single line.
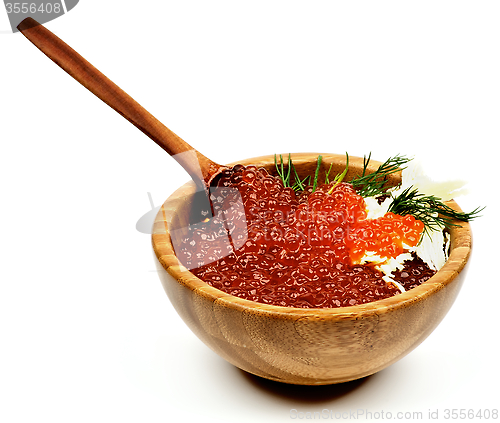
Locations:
{"points": [[374, 210], [433, 249], [415, 176], [387, 265]]}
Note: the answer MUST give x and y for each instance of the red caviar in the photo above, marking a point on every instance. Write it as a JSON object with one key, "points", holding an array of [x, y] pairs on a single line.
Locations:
{"points": [[385, 236], [289, 250]]}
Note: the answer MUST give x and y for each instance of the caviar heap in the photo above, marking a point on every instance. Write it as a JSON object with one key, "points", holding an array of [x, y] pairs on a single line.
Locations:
{"points": [[270, 245]]}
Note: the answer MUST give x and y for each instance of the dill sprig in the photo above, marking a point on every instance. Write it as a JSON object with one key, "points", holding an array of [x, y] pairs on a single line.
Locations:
{"points": [[373, 184], [367, 185], [286, 175], [339, 177], [431, 210]]}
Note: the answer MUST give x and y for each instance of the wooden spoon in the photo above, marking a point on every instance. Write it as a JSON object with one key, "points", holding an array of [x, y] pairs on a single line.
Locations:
{"points": [[201, 168]]}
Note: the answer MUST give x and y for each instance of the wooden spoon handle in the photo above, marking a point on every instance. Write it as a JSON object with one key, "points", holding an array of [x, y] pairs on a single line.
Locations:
{"points": [[91, 78]]}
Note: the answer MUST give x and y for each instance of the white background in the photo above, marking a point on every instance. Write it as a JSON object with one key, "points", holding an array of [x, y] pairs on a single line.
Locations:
{"points": [[86, 331]]}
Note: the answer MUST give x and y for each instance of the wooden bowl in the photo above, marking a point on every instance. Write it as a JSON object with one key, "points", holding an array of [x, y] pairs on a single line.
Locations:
{"points": [[307, 346]]}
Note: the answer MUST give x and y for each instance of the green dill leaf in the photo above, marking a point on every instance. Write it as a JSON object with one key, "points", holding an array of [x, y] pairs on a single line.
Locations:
{"points": [[373, 184], [299, 185], [285, 173], [429, 209], [289, 169], [327, 174], [316, 174], [339, 178], [280, 169], [365, 162]]}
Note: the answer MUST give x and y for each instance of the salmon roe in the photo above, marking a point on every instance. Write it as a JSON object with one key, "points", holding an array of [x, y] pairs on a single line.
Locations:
{"points": [[385, 236], [267, 244]]}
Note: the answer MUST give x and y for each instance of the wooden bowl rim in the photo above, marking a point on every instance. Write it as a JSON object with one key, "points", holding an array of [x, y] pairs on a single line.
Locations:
{"points": [[460, 249]]}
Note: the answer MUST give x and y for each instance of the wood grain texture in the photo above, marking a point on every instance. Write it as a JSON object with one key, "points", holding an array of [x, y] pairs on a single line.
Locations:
{"points": [[307, 346], [91, 78]]}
